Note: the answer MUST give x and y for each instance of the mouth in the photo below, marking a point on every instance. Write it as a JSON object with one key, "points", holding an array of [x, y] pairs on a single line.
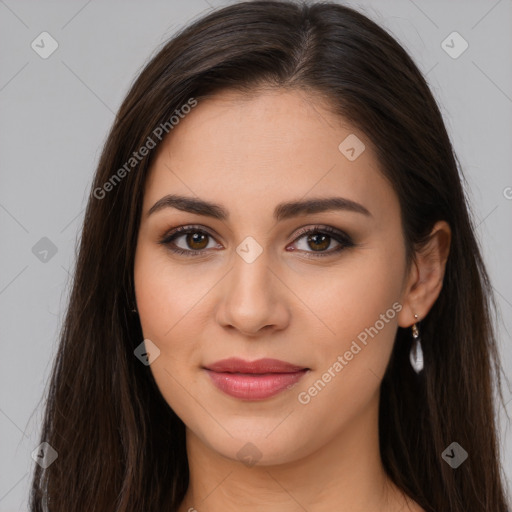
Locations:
{"points": [[254, 380]]}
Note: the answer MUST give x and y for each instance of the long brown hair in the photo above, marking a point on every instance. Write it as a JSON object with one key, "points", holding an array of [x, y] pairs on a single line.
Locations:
{"points": [[120, 446]]}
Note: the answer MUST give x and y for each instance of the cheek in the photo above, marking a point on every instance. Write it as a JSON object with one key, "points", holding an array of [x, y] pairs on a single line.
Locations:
{"points": [[169, 304], [353, 296], [357, 309], [165, 294]]}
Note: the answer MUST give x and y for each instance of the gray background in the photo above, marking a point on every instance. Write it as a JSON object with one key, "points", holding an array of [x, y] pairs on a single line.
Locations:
{"points": [[55, 114]]}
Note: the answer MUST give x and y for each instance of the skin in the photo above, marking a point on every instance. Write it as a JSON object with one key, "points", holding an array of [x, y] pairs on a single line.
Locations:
{"points": [[249, 153]]}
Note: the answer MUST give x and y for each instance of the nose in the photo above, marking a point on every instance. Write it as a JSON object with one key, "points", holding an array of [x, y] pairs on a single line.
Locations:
{"points": [[253, 298]]}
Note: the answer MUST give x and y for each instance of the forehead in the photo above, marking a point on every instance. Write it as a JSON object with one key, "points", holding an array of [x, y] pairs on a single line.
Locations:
{"points": [[258, 149]]}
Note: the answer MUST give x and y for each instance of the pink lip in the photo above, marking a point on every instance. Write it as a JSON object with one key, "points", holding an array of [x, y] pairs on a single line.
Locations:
{"points": [[254, 380]]}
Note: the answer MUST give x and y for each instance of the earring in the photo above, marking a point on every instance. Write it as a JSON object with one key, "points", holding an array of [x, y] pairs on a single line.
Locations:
{"points": [[134, 309], [416, 354]]}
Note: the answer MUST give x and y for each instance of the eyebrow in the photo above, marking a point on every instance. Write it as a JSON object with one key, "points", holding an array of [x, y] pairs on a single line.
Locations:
{"points": [[282, 211]]}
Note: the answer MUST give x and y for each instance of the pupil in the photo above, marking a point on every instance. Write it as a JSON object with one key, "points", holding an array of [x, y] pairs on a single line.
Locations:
{"points": [[324, 237], [195, 238]]}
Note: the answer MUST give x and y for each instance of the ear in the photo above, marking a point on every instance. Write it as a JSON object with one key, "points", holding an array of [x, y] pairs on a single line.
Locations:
{"points": [[425, 279]]}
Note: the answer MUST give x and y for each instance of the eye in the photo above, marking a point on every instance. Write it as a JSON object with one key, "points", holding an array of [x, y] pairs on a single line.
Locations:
{"points": [[192, 236], [320, 238], [195, 240]]}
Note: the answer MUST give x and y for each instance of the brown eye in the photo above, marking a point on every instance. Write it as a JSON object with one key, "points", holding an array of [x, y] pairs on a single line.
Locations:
{"points": [[319, 241], [188, 240], [196, 240], [320, 238]]}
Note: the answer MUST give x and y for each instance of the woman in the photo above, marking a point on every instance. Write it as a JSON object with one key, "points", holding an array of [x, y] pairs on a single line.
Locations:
{"points": [[279, 301]]}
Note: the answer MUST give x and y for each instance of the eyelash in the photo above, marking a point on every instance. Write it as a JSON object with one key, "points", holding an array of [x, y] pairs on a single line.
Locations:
{"points": [[342, 238]]}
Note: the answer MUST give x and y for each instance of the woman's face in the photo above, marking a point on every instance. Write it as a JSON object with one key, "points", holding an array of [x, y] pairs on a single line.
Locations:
{"points": [[251, 283]]}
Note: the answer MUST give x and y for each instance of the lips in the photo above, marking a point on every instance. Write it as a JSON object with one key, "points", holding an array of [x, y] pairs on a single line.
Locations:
{"points": [[236, 365], [254, 380]]}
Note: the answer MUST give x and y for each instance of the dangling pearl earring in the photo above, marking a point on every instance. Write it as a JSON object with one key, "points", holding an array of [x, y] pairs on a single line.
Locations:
{"points": [[416, 354]]}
